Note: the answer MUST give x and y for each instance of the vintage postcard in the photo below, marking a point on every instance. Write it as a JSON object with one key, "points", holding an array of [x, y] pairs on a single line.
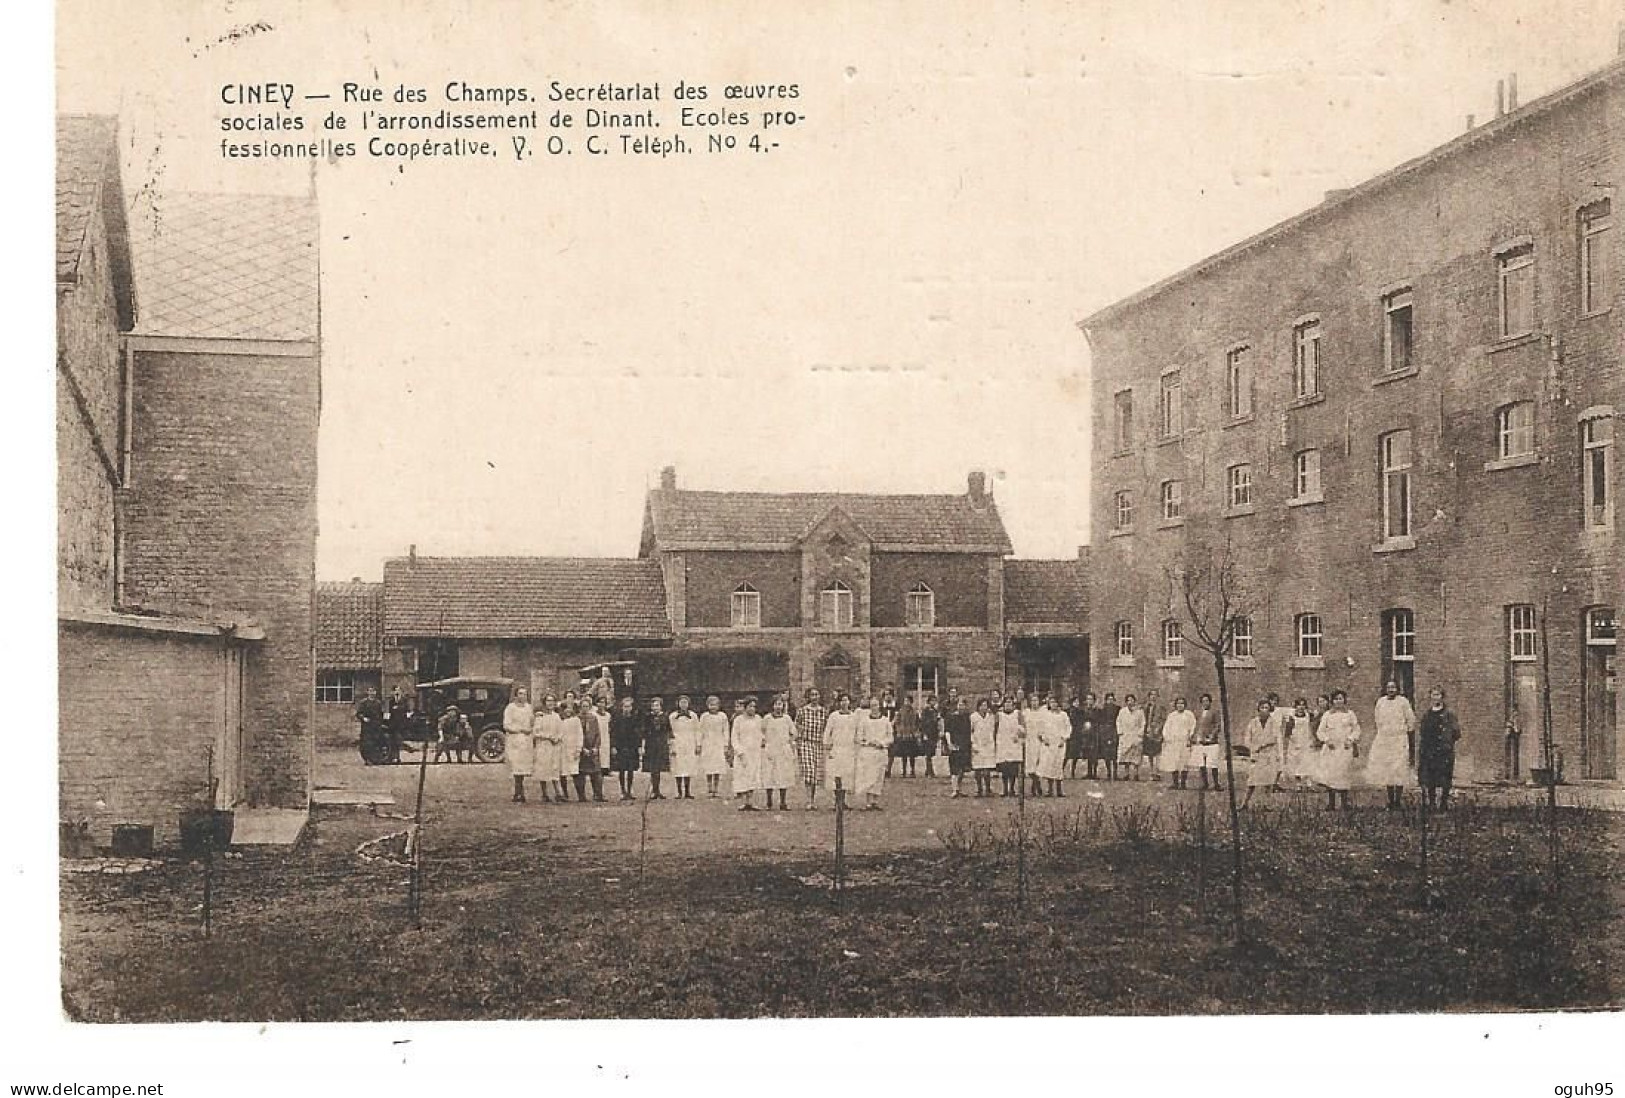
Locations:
{"points": [[731, 511]]}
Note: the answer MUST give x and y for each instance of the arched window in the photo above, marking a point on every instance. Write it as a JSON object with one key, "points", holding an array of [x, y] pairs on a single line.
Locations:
{"points": [[921, 607], [746, 607], [835, 606]]}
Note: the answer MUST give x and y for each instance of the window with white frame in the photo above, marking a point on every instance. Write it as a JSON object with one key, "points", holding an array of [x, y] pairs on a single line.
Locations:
{"points": [[1239, 485], [1515, 290], [1172, 406], [1523, 633], [1123, 632], [921, 607], [1597, 470], [1601, 629], [1173, 499], [1238, 381], [1394, 457], [1515, 429], [1123, 510], [835, 606], [1397, 331], [1596, 220], [1306, 474], [1402, 634], [1309, 635], [1241, 638], [1306, 359], [1123, 420], [745, 610], [335, 687], [1173, 640]]}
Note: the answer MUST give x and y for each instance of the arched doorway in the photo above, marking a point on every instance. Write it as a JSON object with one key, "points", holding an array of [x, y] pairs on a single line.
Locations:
{"points": [[836, 674]]}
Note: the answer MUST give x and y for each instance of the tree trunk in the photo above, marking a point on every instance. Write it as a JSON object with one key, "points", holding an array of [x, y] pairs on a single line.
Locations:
{"points": [[1230, 789]]}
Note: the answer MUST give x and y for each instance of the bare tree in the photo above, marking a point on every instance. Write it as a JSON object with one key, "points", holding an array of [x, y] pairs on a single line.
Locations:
{"points": [[1214, 596]]}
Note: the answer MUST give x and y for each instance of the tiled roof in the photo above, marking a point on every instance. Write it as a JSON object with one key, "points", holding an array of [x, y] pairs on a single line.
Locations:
{"points": [[349, 625], [87, 173], [524, 597], [726, 519], [1045, 592], [228, 266]]}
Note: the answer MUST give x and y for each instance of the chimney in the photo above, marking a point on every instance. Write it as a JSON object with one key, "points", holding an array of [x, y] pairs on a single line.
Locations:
{"points": [[1500, 98], [668, 477], [1083, 554], [1512, 92], [412, 553], [1622, 39], [976, 484], [1470, 120]]}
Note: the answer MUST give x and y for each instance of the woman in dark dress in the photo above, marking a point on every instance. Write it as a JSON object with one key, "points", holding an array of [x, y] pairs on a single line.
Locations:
{"points": [[656, 735], [1106, 734], [1436, 750], [625, 738]]}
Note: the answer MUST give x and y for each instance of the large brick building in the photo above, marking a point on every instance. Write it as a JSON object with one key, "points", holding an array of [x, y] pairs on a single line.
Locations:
{"points": [[1399, 412], [186, 483], [756, 593]]}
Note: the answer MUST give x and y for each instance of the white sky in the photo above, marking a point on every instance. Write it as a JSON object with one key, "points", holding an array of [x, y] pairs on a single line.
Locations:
{"points": [[887, 301]]}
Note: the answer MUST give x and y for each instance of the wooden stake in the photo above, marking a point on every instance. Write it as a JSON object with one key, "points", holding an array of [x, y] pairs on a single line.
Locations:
{"points": [[415, 890]]}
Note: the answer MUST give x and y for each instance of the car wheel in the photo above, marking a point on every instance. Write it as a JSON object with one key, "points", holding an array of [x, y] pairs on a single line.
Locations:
{"points": [[492, 746]]}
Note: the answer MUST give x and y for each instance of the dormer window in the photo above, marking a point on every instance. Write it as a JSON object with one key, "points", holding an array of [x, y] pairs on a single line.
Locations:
{"points": [[921, 607], [746, 607], [835, 606]]}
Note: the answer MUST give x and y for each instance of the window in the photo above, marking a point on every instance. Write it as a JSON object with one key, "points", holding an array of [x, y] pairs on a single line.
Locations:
{"points": [[1399, 649], [1601, 629], [1173, 493], [1394, 451], [1596, 463], [1310, 637], [1306, 359], [1241, 639], [335, 686], [835, 606], [921, 607], [1172, 405], [1238, 382], [1123, 510], [746, 608], [1173, 640], [1515, 430], [1595, 222], [1306, 474], [1515, 278], [1522, 633], [920, 679], [1396, 331], [1402, 634], [1124, 633], [1123, 420], [1239, 485]]}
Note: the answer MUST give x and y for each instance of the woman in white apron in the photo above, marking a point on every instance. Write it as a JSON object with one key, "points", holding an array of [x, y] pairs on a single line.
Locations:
{"points": [[748, 742], [875, 735], [841, 738], [1262, 738], [570, 739], [984, 743], [1130, 734], [1054, 732], [545, 736], [685, 747], [1177, 730], [778, 751], [1339, 736], [1393, 745], [713, 745], [517, 746]]}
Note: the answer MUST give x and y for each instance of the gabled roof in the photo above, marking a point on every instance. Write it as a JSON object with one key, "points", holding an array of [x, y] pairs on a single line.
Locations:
{"points": [[681, 519], [1046, 593], [349, 625], [87, 176], [517, 597], [228, 266]]}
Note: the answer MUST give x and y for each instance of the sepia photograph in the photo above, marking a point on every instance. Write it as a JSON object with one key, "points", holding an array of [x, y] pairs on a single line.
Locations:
{"points": [[663, 510]]}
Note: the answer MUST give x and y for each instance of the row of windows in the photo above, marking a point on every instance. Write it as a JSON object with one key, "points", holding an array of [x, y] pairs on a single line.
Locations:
{"points": [[835, 607], [1514, 438], [1399, 629], [1515, 316]]}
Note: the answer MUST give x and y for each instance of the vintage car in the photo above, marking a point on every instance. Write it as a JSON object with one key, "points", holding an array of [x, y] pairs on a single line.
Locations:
{"points": [[480, 699]]}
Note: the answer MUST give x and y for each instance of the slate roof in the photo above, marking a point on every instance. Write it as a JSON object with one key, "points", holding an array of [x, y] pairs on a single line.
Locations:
{"points": [[513, 597], [228, 266], [87, 174], [1045, 592], [349, 626], [677, 518]]}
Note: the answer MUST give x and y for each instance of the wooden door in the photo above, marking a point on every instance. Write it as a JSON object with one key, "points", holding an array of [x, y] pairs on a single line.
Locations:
{"points": [[1524, 707], [1600, 683], [834, 679]]}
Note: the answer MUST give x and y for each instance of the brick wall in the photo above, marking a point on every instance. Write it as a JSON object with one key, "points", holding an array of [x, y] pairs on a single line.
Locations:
{"points": [[220, 519], [88, 415], [139, 713], [957, 580], [1484, 538], [334, 723], [711, 577]]}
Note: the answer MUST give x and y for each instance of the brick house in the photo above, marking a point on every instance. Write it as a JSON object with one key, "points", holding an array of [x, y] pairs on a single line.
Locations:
{"points": [[349, 653], [756, 593], [186, 483], [1399, 410]]}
